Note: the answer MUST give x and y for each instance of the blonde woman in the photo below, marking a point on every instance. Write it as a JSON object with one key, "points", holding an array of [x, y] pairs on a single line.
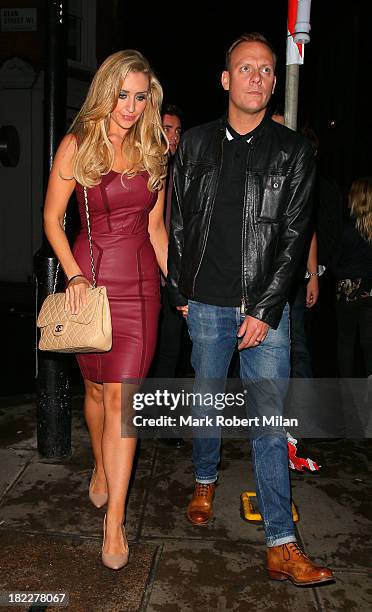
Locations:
{"points": [[116, 148], [353, 272]]}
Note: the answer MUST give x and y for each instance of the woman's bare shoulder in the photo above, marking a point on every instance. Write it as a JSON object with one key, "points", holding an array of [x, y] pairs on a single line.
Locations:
{"points": [[68, 145], [63, 159]]}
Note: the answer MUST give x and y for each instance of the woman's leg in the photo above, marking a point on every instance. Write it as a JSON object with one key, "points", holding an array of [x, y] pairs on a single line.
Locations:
{"points": [[94, 416], [118, 453]]}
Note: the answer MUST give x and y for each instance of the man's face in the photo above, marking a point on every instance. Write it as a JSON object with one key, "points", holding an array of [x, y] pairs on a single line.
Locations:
{"points": [[172, 128], [250, 79]]}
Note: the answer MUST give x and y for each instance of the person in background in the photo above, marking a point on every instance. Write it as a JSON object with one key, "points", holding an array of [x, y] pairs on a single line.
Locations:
{"points": [[171, 323], [172, 119], [240, 213], [278, 115], [352, 269]]}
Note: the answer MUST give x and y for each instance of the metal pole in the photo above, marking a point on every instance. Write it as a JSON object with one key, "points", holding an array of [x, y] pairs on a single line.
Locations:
{"points": [[291, 95], [55, 81], [297, 35], [53, 382]]}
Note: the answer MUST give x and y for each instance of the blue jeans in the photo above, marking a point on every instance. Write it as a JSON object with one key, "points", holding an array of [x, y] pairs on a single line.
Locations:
{"points": [[213, 330]]}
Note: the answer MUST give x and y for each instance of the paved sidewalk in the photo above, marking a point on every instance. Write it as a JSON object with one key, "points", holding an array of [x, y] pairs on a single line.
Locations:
{"points": [[51, 535]]}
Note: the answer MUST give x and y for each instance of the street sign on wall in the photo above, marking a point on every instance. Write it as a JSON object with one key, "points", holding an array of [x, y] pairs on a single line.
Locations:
{"points": [[18, 19]]}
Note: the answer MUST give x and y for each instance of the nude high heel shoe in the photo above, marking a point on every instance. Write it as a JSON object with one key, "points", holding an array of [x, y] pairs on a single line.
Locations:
{"points": [[114, 562], [98, 499]]}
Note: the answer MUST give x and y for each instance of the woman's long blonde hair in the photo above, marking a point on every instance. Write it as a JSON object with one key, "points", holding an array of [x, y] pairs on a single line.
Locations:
{"points": [[360, 203], [145, 145]]}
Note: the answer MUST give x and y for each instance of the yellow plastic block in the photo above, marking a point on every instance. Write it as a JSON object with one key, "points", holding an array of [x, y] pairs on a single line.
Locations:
{"points": [[248, 513]]}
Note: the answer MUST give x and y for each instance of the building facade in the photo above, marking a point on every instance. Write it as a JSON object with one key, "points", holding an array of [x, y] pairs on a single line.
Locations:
{"points": [[22, 66]]}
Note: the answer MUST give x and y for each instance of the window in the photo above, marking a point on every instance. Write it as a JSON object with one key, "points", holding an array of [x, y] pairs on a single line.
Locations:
{"points": [[74, 20], [81, 40]]}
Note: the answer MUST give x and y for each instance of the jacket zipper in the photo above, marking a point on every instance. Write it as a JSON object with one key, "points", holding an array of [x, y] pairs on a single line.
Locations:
{"points": [[209, 218], [244, 233]]}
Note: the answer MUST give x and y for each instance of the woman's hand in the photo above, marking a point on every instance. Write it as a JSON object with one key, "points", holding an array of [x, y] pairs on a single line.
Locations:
{"points": [[312, 291], [184, 310], [76, 294]]}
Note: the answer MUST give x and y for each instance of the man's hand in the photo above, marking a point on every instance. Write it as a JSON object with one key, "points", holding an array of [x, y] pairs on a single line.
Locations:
{"points": [[252, 332], [184, 310]]}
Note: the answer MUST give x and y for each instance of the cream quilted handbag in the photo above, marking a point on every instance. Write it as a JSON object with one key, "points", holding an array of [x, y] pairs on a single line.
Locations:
{"points": [[90, 330], [87, 332]]}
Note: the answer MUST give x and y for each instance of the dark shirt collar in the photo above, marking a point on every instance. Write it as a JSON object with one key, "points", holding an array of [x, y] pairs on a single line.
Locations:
{"points": [[231, 134]]}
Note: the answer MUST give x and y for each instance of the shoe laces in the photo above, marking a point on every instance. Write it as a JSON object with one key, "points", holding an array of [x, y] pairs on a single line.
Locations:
{"points": [[295, 548], [202, 489]]}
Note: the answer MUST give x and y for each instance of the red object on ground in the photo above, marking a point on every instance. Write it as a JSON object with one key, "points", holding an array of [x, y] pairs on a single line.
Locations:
{"points": [[298, 463]]}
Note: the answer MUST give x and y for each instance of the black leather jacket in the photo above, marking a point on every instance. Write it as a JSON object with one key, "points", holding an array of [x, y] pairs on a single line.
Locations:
{"points": [[276, 213]]}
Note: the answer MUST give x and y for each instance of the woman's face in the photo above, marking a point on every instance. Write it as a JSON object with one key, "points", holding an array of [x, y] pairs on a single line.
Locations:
{"points": [[132, 101]]}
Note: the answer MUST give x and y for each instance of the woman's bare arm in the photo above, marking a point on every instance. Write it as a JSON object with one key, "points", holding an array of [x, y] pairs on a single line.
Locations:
{"points": [[158, 233], [56, 201]]}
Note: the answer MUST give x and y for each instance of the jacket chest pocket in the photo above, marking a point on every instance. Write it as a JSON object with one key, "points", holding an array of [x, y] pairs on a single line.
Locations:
{"points": [[272, 192], [197, 179]]}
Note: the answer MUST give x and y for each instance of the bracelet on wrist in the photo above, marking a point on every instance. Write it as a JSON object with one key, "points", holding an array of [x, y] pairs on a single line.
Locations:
{"points": [[313, 273], [76, 276]]}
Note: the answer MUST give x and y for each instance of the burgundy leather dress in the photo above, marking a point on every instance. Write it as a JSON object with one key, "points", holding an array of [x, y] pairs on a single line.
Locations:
{"points": [[126, 265]]}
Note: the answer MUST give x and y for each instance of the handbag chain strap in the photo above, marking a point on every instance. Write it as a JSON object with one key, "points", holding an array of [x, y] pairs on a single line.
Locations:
{"points": [[90, 243], [90, 237]]}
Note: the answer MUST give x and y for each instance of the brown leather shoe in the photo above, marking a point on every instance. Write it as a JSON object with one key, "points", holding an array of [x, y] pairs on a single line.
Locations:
{"points": [[200, 508], [289, 562]]}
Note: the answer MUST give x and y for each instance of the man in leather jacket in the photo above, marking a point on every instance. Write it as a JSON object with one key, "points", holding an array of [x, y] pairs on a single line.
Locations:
{"points": [[240, 211]]}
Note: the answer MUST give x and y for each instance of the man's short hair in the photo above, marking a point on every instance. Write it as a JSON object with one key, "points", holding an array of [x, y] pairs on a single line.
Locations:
{"points": [[250, 37], [172, 109]]}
